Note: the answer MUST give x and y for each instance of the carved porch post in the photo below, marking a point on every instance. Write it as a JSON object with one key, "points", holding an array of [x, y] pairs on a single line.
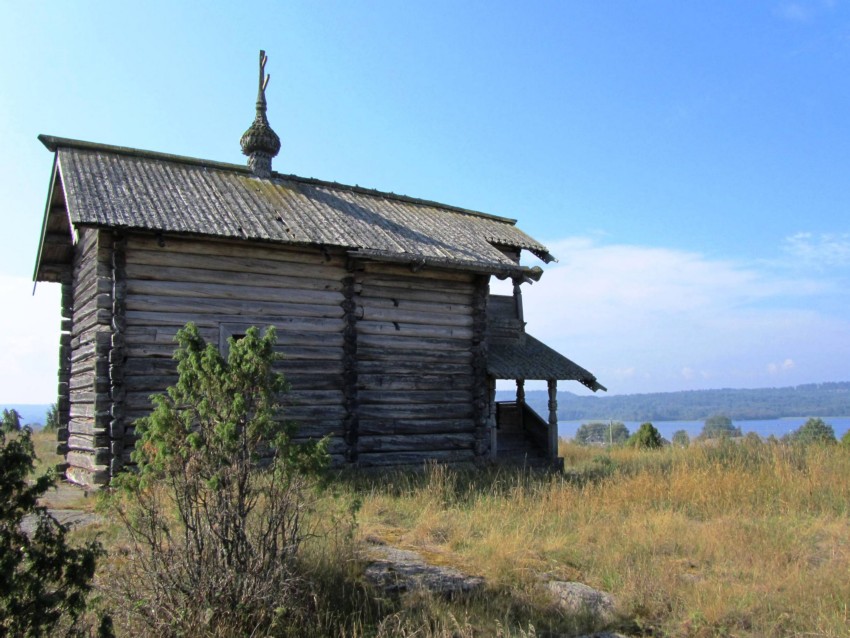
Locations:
{"points": [[520, 391]]}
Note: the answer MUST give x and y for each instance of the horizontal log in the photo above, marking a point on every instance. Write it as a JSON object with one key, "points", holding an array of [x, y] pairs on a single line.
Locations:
{"points": [[88, 443], [401, 315], [239, 249], [259, 264], [164, 335], [188, 308], [399, 365], [395, 328], [427, 411], [313, 397], [294, 367], [214, 275], [232, 292], [415, 442], [437, 305], [431, 284], [86, 426], [396, 349], [403, 271], [149, 383], [413, 397], [414, 382], [373, 290], [92, 461], [420, 426], [146, 367], [309, 324], [82, 476], [302, 414]]}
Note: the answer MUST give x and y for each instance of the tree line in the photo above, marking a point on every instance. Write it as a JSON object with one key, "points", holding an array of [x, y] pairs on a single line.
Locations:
{"points": [[821, 400]]}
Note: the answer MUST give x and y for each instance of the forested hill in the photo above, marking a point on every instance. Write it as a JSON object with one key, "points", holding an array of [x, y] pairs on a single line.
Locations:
{"points": [[823, 399]]}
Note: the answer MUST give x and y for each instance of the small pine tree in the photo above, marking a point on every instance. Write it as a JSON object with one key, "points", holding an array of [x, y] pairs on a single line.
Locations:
{"points": [[646, 438], [216, 509]]}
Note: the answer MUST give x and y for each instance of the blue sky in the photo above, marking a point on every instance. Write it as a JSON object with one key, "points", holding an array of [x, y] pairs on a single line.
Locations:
{"points": [[688, 162]]}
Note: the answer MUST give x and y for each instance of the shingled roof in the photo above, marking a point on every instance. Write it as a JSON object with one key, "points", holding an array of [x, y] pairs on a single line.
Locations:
{"points": [[123, 188]]}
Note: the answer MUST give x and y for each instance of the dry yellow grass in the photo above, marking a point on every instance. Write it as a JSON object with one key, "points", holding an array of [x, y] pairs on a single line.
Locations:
{"points": [[744, 539]]}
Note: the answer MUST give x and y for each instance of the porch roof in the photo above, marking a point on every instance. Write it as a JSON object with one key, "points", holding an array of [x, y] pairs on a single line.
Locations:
{"points": [[527, 358]]}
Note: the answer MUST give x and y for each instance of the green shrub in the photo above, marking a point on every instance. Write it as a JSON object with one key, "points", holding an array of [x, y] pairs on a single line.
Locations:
{"points": [[814, 430], [45, 582], [602, 433], [216, 510], [719, 426], [647, 438]]}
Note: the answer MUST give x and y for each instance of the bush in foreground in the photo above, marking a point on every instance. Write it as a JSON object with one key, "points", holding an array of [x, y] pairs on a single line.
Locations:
{"points": [[216, 510], [45, 582]]}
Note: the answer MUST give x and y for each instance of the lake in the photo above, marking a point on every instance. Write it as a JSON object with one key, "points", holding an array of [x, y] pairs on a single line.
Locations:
{"points": [[762, 427]]}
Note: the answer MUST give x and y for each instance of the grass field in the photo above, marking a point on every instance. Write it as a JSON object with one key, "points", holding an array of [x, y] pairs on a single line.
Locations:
{"points": [[738, 539]]}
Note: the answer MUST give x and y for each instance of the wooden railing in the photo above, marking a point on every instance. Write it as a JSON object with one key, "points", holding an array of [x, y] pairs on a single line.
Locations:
{"points": [[537, 429]]}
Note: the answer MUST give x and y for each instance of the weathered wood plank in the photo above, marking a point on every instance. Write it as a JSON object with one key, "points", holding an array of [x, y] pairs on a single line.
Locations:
{"points": [[393, 425], [235, 292], [401, 315], [214, 275], [262, 265], [396, 349], [204, 320], [399, 365], [414, 397], [413, 382], [93, 462], [415, 442], [238, 249], [374, 290], [436, 306], [88, 443], [193, 307], [394, 328], [427, 411], [430, 273]]}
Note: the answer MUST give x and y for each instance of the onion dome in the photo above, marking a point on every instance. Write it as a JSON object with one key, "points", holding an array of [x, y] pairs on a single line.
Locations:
{"points": [[260, 143]]}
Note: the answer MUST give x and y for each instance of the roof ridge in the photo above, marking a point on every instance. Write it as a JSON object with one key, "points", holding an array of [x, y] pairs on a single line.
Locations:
{"points": [[53, 143]]}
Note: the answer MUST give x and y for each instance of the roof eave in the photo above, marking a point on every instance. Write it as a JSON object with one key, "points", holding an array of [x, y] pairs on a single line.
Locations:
{"points": [[53, 179]]}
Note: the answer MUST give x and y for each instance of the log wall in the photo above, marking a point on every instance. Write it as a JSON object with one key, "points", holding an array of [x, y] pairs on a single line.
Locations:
{"points": [[417, 365], [89, 451], [224, 288], [390, 363]]}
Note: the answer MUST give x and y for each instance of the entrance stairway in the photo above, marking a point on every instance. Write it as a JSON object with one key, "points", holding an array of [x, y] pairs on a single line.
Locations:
{"points": [[521, 436]]}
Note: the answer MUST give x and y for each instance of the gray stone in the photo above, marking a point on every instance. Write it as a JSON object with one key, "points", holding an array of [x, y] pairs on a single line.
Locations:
{"points": [[581, 600], [394, 571]]}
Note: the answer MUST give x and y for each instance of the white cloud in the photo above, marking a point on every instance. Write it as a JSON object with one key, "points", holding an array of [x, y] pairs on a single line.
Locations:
{"points": [[824, 250], [680, 320], [777, 368]]}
